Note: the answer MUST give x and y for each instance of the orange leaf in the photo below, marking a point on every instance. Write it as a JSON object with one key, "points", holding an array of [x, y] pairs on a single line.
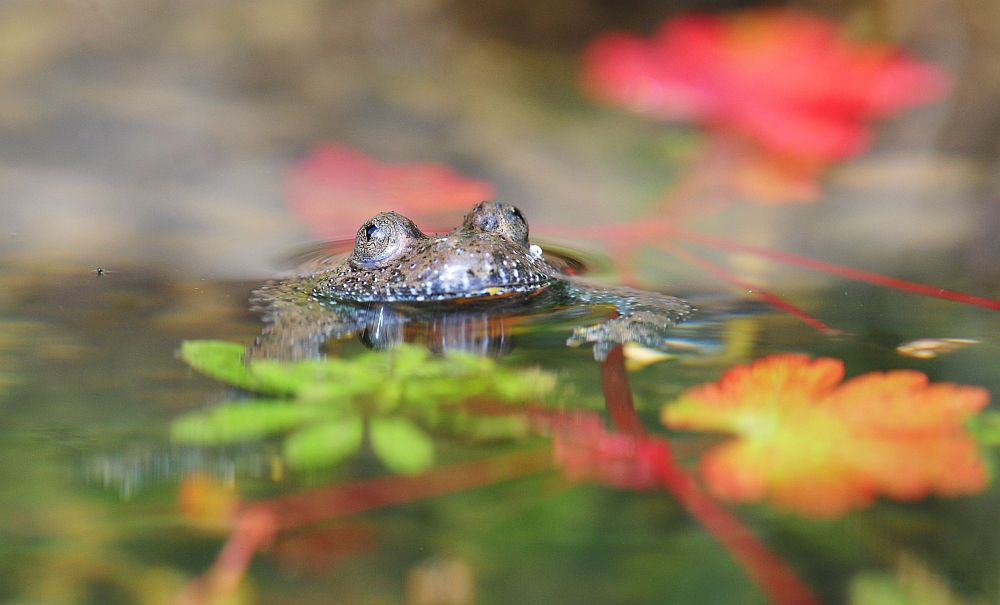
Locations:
{"points": [[809, 443], [206, 502]]}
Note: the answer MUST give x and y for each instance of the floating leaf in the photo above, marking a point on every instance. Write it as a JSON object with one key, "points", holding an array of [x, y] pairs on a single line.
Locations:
{"points": [[224, 361], [415, 361], [401, 445], [321, 379], [809, 443], [530, 384], [406, 379], [241, 421], [218, 359], [324, 444]]}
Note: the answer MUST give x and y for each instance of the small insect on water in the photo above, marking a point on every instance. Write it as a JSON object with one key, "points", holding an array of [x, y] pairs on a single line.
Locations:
{"points": [[101, 271]]}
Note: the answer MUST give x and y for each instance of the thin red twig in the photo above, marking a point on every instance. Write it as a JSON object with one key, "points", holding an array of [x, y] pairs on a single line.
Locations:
{"points": [[771, 573], [841, 270], [296, 510], [657, 230], [772, 299], [257, 523]]}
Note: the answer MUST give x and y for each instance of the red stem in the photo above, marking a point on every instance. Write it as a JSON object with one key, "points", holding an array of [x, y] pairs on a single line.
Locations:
{"points": [[841, 270], [304, 508], [772, 299], [657, 230], [258, 523], [618, 395], [772, 574]]}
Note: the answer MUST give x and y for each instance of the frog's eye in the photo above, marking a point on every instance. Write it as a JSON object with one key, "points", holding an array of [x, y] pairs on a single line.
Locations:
{"points": [[501, 219], [517, 214], [515, 226], [382, 239], [487, 222]]}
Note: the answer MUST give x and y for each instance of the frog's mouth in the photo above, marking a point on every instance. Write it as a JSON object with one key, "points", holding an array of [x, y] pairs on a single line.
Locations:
{"points": [[490, 292], [482, 293], [508, 290]]}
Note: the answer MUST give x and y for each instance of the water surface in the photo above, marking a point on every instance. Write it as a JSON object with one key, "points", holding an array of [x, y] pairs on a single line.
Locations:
{"points": [[91, 382]]}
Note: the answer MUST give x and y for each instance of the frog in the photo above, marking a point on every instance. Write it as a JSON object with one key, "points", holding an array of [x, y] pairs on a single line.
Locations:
{"points": [[486, 266]]}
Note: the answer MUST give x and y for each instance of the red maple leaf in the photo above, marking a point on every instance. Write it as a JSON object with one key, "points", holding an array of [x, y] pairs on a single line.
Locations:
{"points": [[336, 188], [774, 82]]}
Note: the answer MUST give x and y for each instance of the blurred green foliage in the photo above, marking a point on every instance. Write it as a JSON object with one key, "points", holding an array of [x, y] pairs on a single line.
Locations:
{"points": [[326, 406], [985, 427]]}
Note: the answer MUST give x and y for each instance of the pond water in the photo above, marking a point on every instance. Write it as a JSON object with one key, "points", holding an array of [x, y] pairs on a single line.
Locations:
{"points": [[94, 489]]}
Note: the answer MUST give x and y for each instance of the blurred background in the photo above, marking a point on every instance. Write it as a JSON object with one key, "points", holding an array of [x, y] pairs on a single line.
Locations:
{"points": [[161, 133]]}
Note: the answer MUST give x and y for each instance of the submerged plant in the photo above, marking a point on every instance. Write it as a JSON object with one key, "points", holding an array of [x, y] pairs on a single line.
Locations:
{"points": [[325, 406]]}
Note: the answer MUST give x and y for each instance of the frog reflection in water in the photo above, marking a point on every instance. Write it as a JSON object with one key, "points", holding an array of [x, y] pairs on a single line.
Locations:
{"points": [[484, 266]]}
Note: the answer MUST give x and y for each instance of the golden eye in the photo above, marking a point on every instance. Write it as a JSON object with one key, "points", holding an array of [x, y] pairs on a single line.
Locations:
{"points": [[382, 239], [501, 219], [517, 226], [487, 222]]}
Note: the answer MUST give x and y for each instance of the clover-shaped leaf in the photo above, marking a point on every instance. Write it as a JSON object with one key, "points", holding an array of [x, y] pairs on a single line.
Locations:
{"points": [[322, 404], [324, 444], [241, 421], [401, 445]]}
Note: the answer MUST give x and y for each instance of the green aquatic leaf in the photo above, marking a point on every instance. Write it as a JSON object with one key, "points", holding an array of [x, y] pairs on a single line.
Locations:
{"points": [[531, 384], [241, 421], [326, 400], [403, 361], [223, 361], [320, 379], [986, 428], [324, 444], [389, 396], [219, 360], [401, 445], [491, 428], [438, 391], [406, 375]]}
